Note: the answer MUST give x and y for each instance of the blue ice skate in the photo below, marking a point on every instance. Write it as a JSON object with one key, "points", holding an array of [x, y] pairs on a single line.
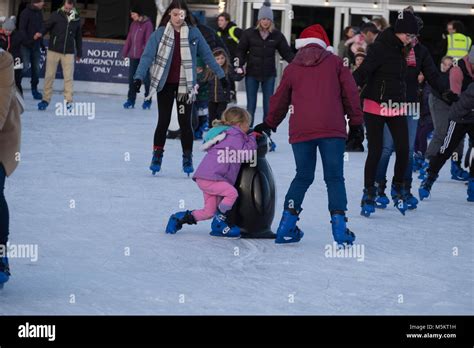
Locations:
{"points": [[188, 163], [382, 200], [287, 231], [4, 271], [146, 105], [425, 188], [470, 190], [36, 95], [220, 227], [399, 197], [368, 202], [156, 160], [43, 105], [457, 173], [128, 104], [176, 221], [342, 235]]}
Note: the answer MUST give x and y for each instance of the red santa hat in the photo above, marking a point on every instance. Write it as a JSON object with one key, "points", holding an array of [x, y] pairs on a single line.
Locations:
{"points": [[314, 34]]}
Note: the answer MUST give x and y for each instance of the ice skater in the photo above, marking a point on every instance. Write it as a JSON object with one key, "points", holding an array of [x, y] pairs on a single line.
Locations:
{"points": [[171, 58], [217, 173], [10, 129], [461, 116], [318, 90]]}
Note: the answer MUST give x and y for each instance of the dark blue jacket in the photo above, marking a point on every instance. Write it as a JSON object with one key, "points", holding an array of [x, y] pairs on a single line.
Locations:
{"points": [[31, 22]]}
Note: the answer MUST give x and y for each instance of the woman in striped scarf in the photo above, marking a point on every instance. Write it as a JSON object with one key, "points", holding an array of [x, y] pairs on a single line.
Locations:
{"points": [[171, 58]]}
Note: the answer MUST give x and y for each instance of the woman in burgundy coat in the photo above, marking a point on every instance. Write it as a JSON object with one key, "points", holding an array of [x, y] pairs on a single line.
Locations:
{"points": [[318, 91]]}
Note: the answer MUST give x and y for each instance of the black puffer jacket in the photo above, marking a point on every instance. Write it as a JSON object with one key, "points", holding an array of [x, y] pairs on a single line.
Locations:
{"points": [[217, 94], [382, 75], [259, 54], [65, 34]]}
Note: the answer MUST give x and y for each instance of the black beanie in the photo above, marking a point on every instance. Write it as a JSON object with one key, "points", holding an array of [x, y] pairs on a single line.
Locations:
{"points": [[137, 8], [407, 23]]}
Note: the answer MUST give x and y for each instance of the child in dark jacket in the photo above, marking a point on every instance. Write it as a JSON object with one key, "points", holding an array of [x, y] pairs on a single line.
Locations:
{"points": [[200, 106], [11, 41], [219, 96], [227, 146]]}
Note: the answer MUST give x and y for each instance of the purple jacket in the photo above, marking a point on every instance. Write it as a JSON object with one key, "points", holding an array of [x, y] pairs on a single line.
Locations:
{"points": [[223, 159], [137, 37]]}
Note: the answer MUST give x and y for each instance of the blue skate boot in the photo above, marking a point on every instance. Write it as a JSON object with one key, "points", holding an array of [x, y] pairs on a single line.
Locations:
{"points": [[418, 160], [129, 104], [382, 200], [399, 197], [43, 105], [188, 162], [342, 235], [470, 190], [36, 95], [220, 227], [156, 160], [411, 200], [176, 221], [287, 231], [368, 201], [4, 271], [457, 173], [425, 188], [146, 105]]}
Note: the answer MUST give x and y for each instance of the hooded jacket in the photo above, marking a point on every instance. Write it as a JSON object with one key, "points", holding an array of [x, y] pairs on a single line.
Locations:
{"points": [[65, 32], [219, 167], [138, 35], [320, 90], [10, 111]]}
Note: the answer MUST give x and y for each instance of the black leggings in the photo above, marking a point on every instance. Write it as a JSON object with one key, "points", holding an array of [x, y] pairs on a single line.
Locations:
{"points": [[399, 129], [18, 77], [4, 216], [215, 111], [166, 98], [455, 134]]}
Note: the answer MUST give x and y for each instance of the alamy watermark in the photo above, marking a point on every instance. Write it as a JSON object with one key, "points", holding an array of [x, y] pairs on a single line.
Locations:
{"points": [[391, 108], [356, 251], [228, 155], [74, 109], [24, 251]]}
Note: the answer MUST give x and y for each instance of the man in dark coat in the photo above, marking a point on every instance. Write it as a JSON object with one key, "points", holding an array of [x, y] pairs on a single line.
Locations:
{"points": [[31, 25]]}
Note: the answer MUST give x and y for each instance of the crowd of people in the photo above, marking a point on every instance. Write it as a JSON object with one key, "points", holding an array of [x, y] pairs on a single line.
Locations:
{"points": [[379, 72]]}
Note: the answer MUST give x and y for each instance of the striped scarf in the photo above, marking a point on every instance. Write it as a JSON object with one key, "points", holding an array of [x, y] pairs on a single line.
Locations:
{"points": [[186, 90]]}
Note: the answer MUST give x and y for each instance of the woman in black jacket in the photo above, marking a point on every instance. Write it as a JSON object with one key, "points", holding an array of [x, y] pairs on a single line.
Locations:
{"points": [[257, 49], [382, 77], [419, 61]]}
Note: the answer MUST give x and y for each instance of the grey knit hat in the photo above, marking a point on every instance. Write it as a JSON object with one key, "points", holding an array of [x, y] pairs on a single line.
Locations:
{"points": [[265, 11], [471, 55], [9, 24]]}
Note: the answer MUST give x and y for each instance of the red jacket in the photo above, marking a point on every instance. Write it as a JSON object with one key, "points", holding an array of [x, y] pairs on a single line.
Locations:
{"points": [[320, 90]]}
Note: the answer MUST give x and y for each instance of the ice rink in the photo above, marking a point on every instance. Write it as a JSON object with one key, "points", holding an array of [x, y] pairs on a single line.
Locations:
{"points": [[84, 195]]}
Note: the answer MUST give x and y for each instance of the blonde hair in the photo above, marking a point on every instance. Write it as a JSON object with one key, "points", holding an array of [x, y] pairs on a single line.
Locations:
{"points": [[233, 116], [272, 26]]}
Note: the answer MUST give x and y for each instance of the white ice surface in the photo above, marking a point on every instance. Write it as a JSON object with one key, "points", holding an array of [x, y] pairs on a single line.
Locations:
{"points": [[120, 205]]}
